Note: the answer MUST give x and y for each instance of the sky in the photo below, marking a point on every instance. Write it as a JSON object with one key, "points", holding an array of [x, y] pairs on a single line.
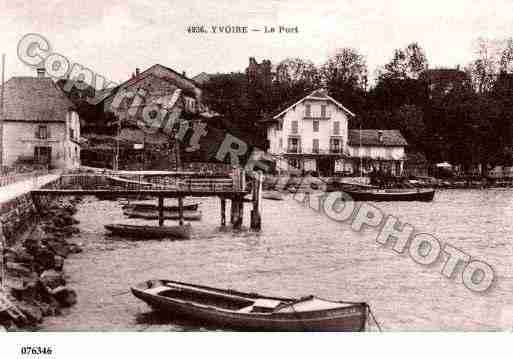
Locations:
{"points": [[115, 37]]}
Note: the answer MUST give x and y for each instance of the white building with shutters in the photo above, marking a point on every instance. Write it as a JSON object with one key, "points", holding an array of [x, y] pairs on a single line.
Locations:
{"points": [[39, 125], [313, 134]]}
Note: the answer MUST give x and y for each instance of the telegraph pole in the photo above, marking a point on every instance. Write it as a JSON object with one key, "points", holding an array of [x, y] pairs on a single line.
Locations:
{"points": [[2, 113]]}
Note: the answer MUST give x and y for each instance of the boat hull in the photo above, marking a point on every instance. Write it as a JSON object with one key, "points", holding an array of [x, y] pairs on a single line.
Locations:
{"points": [[390, 196], [148, 232], [154, 207], [351, 318], [172, 215]]}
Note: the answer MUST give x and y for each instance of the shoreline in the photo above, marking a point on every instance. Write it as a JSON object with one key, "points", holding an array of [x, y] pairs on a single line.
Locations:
{"points": [[35, 280]]}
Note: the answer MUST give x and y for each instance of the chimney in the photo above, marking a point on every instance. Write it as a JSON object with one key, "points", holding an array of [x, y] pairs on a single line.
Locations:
{"points": [[183, 74], [137, 71], [40, 72], [380, 136]]}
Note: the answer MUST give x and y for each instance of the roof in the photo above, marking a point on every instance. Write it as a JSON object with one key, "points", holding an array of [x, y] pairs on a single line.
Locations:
{"points": [[319, 94], [35, 99], [371, 138]]}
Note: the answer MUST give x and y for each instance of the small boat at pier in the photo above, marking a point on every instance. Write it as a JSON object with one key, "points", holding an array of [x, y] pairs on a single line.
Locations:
{"points": [[154, 214], [273, 195], [397, 194], [249, 311], [147, 206], [146, 232]]}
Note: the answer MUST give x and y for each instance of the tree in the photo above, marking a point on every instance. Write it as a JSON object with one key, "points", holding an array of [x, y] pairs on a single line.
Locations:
{"points": [[486, 65], [294, 71], [410, 121], [407, 63], [346, 66]]}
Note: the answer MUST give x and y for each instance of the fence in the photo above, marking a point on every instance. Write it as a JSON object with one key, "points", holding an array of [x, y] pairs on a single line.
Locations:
{"points": [[10, 178]]}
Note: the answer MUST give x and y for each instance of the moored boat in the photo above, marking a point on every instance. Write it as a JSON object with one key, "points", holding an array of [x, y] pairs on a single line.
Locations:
{"points": [[135, 231], [249, 311], [146, 206], [382, 195], [172, 215], [273, 195]]}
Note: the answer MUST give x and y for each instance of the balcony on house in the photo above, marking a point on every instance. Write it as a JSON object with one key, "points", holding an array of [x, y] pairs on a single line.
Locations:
{"points": [[316, 113]]}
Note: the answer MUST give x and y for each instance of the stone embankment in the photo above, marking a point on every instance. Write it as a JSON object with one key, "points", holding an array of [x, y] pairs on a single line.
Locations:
{"points": [[34, 281]]}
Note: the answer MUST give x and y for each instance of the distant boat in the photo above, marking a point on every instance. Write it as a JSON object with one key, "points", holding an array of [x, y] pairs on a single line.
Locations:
{"points": [[133, 231], [153, 214], [146, 206], [273, 195], [250, 311], [382, 195]]}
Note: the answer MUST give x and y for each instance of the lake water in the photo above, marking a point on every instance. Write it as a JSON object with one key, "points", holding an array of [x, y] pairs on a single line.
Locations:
{"points": [[302, 252]]}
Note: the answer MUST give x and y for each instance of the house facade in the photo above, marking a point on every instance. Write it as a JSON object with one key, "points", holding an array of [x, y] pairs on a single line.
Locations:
{"points": [[39, 124], [313, 134]]}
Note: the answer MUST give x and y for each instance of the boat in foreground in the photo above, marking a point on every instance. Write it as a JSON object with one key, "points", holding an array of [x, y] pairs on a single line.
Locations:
{"points": [[382, 195], [249, 311], [134, 231]]}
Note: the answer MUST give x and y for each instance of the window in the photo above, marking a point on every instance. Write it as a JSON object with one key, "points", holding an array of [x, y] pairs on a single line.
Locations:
{"points": [[280, 126], [294, 127], [323, 111], [281, 142], [72, 133], [308, 110], [335, 145], [315, 146], [294, 163], [336, 128], [42, 132], [315, 126], [294, 145]]}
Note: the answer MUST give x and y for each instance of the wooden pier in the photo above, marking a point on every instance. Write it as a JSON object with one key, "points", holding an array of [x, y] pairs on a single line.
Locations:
{"points": [[233, 188]]}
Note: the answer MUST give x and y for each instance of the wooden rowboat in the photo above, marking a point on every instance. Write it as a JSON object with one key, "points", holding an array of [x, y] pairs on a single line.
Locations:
{"points": [[173, 215], [381, 195], [249, 311], [146, 206], [133, 231], [273, 195]]}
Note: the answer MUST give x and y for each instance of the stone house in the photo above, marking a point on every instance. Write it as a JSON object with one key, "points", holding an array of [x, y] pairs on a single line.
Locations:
{"points": [[313, 134], [39, 124]]}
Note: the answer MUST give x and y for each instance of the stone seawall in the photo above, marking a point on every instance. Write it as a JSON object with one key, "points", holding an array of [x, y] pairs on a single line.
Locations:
{"points": [[34, 248]]}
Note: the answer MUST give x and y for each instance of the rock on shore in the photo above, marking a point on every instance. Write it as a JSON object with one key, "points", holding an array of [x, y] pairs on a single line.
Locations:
{"points": [[35, 283]]}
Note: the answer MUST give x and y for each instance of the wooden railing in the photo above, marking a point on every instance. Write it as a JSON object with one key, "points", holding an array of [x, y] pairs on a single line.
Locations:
{"points": [[10, 178], [188, 183]]}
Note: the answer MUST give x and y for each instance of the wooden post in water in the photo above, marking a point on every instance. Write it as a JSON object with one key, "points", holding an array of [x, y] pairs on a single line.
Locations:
{"points": [[180, 210], [161, 211], [239, 213], [232, 210], [223, 212], [256, 218]]}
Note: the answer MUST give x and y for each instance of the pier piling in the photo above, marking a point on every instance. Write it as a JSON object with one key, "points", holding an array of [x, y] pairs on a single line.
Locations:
{"points": [[223, 212], [256, 218], [161, 211], [180, 210]]}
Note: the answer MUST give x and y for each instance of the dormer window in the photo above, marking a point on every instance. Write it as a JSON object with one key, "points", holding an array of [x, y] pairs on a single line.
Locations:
{"points": [[308, 110], [323, 111]]}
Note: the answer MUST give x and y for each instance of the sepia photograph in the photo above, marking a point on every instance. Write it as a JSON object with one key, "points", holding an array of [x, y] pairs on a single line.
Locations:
{"points": [[271, 166]]}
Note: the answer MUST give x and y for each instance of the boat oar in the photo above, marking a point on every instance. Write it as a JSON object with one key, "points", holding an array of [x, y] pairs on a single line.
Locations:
{"points": [[121, 293], [374, 318]]}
